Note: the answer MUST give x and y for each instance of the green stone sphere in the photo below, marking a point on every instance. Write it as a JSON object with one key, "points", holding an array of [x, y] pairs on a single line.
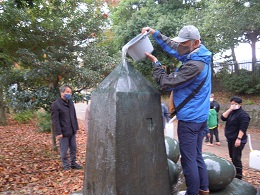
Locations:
{"points": [[172, 149], [173, 172], [221, 172], [206, 154]]}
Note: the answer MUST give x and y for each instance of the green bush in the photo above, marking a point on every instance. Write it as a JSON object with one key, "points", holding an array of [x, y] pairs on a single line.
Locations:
{"points": [[249, 102], [24, 116], [244, 83], [43, 121]]}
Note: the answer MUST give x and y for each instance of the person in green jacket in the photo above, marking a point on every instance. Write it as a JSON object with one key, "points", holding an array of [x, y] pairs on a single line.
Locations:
{"points": [[213, 125]]}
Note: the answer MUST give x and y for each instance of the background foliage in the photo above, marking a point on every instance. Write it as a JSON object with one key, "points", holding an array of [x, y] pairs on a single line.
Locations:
{"points": [[223, 24], [44, 44]]}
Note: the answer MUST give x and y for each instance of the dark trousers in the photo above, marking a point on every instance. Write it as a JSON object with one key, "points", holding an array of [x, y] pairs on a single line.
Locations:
{"points": [[190, 137], [235, 153], [214, 132], [65, 144]]}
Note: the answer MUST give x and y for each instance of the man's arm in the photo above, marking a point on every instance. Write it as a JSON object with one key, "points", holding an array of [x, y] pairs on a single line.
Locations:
{"points": [[55, 119], [186, 74], [243, 125], [225, 115], [74, 115], [165, 42]]}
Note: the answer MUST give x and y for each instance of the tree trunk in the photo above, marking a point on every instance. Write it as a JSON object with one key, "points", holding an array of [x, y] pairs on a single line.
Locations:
{"points": [[2, 108], [54, 85], [253, 45], [234, 60], [252, 37], [53, 139]]}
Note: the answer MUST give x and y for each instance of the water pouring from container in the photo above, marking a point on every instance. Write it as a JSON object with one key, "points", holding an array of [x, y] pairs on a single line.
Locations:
{"points": [[137, 47]]}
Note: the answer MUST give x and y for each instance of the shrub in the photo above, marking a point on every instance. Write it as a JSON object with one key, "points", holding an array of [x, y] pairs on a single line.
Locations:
{"points": [[24, 116], [249, 102], [244, 83], [43, 121]]}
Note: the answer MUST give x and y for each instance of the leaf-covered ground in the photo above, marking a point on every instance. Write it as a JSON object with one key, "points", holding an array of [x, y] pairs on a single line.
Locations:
{"points": [[29, 166]]}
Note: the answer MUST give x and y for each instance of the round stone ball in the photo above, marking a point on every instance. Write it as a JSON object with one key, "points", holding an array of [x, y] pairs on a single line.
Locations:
{"points": [[172, 149], [221, 172], [173, 172], [206, 154]]}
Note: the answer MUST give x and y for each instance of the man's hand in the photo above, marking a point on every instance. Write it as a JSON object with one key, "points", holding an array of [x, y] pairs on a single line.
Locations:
{"points": [[58, 137], [151, 57], [237, 143], [148, 29], [208, 135]]}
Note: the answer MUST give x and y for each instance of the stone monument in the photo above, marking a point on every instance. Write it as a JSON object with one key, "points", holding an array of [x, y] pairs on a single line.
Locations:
{"points": [[125, 148]]}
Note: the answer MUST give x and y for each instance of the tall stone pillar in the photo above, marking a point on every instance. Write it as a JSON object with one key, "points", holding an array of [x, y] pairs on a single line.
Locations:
{"points": [[125, 148]]}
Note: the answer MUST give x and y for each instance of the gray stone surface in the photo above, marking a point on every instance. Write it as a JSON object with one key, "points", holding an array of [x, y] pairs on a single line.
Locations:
{"points": [[77, 193], [237, 187], [125, 150]]}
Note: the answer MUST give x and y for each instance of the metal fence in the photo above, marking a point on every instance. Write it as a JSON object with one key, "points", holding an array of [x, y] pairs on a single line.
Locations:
{"points": [[247, 65]]}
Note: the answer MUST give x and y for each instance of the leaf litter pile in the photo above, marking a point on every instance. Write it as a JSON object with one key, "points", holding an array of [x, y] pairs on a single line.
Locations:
{"points": [[29, 166]]}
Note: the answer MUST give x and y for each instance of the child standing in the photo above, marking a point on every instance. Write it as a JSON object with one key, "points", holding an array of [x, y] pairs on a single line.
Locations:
{"points": [[213, 125]]}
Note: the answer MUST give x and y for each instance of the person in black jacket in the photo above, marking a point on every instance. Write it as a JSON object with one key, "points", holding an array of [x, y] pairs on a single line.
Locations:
{"points": [[237, 121], [65, 125]]}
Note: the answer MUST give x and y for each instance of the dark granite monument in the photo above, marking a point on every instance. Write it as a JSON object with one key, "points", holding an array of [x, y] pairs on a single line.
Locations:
{"points": [[125, 148]]}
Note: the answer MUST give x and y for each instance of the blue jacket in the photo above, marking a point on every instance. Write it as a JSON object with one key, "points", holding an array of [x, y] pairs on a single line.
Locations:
{"points": [[186, 79]]}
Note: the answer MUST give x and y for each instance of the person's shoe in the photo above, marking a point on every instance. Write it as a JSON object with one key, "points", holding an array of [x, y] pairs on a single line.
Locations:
{"points": [[218, 143], [209, 144], [202, 192], [76, 166], [206, 140], [66, 168], [181, 193]]}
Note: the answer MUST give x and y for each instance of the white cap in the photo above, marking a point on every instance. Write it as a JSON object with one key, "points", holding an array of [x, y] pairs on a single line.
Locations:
{"points": [[189, 32]]}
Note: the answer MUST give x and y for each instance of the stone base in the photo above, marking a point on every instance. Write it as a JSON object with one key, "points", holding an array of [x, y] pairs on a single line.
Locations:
{"points": [[77, 193], [235, 187]]}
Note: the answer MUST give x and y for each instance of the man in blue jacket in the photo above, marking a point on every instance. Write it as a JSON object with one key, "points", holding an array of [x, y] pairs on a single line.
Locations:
{"points": [[192, 117], [65, 125]]}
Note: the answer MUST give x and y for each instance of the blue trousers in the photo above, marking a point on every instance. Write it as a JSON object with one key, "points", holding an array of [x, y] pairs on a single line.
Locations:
{"points": [[65, 144], [190, 137]]}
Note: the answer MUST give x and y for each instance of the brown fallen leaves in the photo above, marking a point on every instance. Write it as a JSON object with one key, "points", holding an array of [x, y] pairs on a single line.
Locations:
{"points": [[29, 166]]}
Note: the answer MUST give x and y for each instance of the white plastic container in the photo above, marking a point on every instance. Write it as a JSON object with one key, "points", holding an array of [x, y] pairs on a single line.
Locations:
{"points": [[254, 156], [138, 46], [254, 159], [169, 128]]}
